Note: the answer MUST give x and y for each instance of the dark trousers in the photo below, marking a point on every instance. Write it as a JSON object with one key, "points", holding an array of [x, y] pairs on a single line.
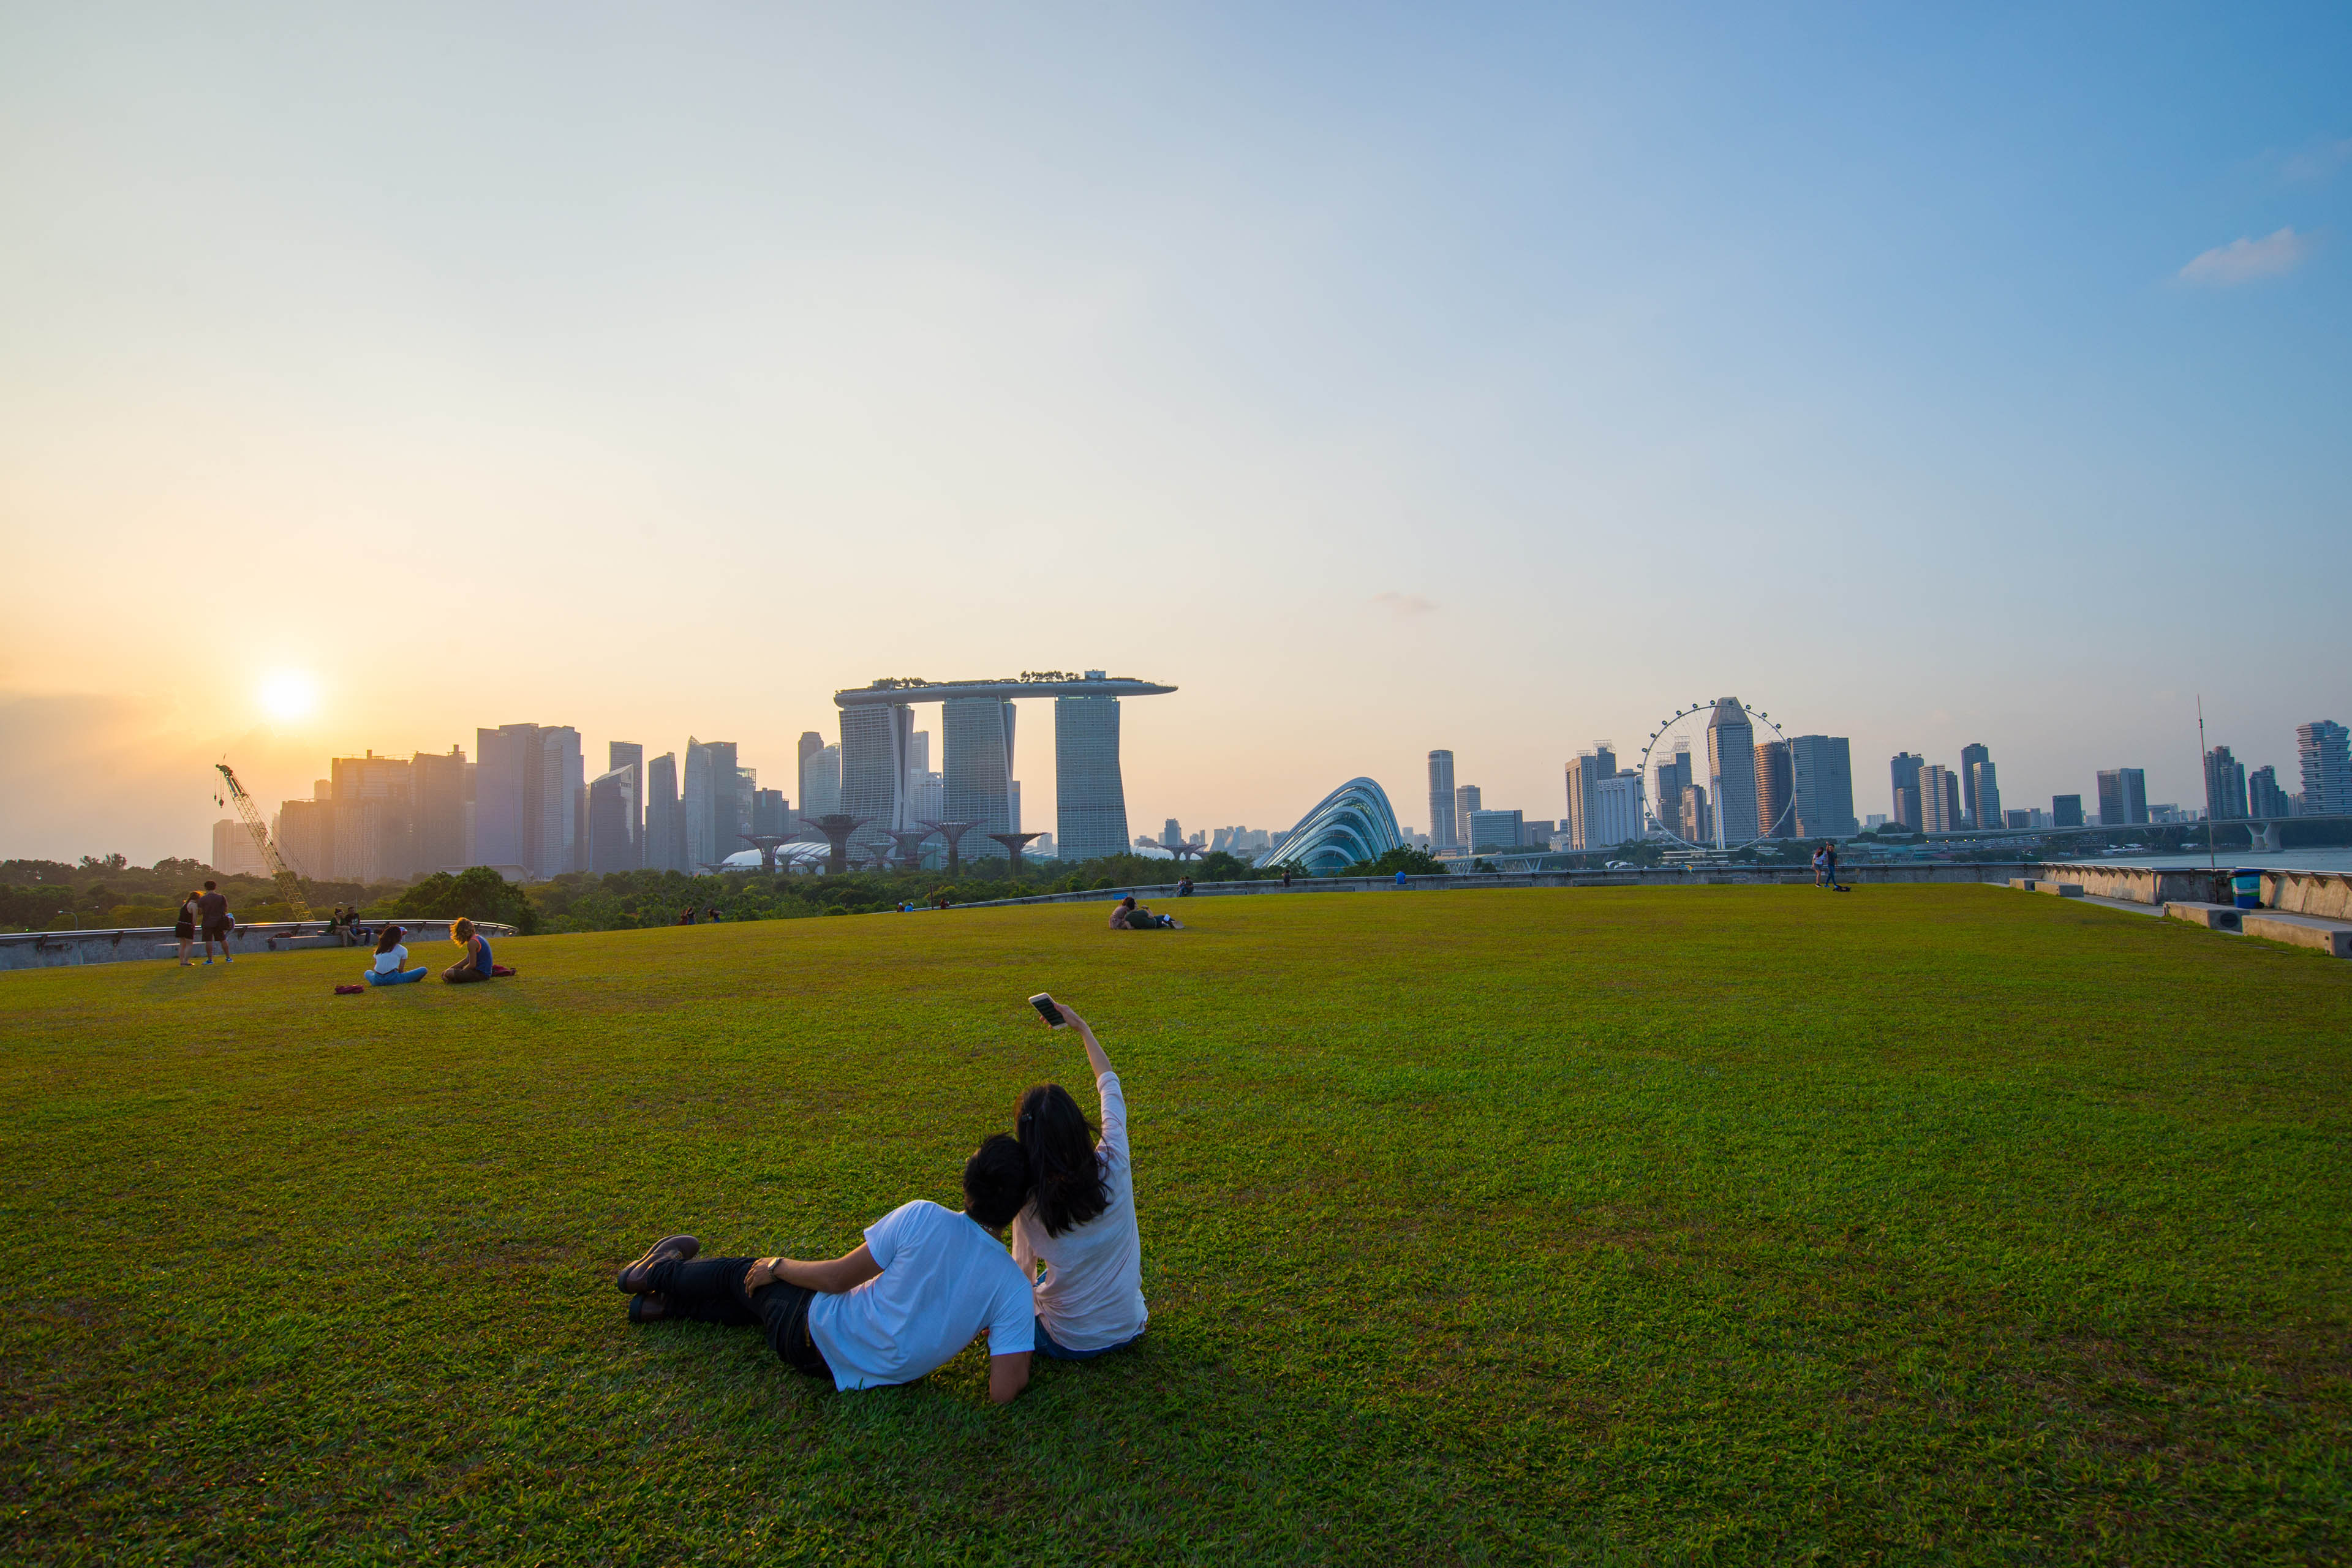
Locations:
{"points": [[710, 1290]]}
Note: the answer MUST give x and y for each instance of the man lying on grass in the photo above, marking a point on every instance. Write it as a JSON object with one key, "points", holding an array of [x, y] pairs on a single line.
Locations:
{"points": [[923, 1284]]}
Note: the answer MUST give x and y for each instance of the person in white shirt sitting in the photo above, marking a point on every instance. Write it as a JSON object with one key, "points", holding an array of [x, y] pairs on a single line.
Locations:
{"points": [[924, 1283], [391, 965], [1080, 1219]]}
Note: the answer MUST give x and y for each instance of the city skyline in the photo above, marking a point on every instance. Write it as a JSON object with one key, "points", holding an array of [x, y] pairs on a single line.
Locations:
{"points": [[1725, 322]]}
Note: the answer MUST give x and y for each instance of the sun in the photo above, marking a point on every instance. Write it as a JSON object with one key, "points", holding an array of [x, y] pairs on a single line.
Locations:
{"points": [[289, 694]]}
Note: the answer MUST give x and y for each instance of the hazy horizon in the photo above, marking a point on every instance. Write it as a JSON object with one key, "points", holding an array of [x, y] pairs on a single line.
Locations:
{"points": [[1382, 382]]}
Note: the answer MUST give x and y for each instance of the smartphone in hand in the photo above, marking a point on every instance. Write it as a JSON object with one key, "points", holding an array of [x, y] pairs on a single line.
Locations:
{"points": [[1044, 1003]]}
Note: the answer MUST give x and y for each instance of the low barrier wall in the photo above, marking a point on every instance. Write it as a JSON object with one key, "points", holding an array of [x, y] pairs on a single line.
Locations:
{"points": [[54, 949], [2324, 893]]}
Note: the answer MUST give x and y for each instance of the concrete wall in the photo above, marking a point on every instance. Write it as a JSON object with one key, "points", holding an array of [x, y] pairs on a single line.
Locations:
{"points": [[2327, 893], [50, 950]]}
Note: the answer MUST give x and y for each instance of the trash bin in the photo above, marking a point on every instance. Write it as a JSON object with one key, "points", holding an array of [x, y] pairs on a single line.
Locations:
{"points": [[2246, 885]]}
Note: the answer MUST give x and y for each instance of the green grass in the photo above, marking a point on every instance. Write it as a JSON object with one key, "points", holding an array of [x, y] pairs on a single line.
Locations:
{"points": [[1929, 1225]]}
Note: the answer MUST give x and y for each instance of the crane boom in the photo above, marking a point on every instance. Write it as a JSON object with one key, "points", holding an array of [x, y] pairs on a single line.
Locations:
{"points": [[289, 889]]}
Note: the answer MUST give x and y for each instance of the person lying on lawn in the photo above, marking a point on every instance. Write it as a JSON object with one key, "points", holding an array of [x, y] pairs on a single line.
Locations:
{"points": [[924, 1283]]}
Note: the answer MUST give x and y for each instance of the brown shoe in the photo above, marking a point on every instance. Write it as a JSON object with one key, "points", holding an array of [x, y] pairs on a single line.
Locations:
{"points": [[633, 1280], [648, 1307]]}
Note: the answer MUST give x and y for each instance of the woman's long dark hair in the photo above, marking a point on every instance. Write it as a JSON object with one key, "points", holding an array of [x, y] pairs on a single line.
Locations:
{"points": [[1064, 1170], [390, 939]]}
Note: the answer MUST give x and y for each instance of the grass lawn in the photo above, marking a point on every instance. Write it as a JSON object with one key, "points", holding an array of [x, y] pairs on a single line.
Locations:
{"points": [[1929, 1225]]}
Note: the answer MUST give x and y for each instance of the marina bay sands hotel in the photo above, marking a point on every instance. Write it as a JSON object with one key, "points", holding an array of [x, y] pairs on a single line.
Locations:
{"points": [[877, 731]]}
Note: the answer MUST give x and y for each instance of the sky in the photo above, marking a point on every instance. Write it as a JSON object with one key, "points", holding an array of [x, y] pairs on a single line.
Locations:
{"points": [[1497, 379]]}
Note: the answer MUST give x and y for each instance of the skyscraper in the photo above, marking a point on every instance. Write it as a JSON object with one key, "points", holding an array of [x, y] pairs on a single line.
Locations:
{"points": [[528, 790], [665, 817], [812, 745], [2264, 797], [1491, 830], [441, 789], [1466, 799], [978, 735], [2225, 785], [1697, 820], [821, 785], [1674, 777], [1821, 767], [234, 851], [1444, 832], [1970, 755], [1776, 790], [1731, 770], [2322, 746], [696, 801], [1939, 800], [1090, 799], [2123, 797], [2065, 811], [1613, 814], [1984, 783], [730, 805], [1586, 772], [631, 755], [874, 741], [1903, 770], [372, 797], [613, 814]]}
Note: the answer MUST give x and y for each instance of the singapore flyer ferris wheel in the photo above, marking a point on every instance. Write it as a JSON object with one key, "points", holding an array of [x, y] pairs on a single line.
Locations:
{"points": [[1717, 775]]}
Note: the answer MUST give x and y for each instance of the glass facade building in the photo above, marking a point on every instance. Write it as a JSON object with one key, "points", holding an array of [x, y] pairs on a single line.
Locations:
{"points": [[1090, 797], [1354, 822], [978, 785]]}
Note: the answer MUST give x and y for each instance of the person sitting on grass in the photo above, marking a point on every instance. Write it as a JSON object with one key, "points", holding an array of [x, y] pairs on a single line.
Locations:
{"points": [[924, 1283], [476, 962], [1129, 915], [1080, 1220], [391, 965]]}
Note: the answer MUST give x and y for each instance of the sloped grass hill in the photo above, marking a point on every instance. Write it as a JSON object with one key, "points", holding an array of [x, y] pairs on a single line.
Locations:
{"points": [[1925, 1224]]}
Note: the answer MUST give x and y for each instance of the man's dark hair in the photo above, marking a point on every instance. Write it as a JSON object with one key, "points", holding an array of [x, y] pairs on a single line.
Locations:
{"points": [[1064, 1173], [995, 1182], [208, 885]]}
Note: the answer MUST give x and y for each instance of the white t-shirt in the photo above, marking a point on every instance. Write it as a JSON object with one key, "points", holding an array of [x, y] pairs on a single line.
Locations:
{"points": [[943, 1279], [1092, 1295], [393, 962]]}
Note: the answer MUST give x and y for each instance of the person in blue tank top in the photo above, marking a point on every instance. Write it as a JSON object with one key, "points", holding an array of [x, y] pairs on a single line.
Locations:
{"points": [[476, 962]]}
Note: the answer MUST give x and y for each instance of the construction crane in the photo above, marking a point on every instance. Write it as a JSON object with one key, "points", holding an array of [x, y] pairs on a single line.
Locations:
{"points": [[289, 891]]}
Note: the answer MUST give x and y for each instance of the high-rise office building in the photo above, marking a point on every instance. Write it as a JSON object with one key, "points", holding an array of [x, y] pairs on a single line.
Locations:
{"points": [[697, 802], [1984, 783], [2065, 811], [1698, 819], [2123, 797], [1731, 770], [770, 814], [304, 832], [665, 839], [1466, 799], [1674, 777], [2322, 747], [441, 789], [1939, 800], [235, 854], [1776, 790], [2225, 785], [874, 741], [1821, 769], [528, 794], [1172, 832], [2264, 797], [1090, 797], [1586, 772], [1614, 813], [821, 785], [812, 745], [1903, 774], [978, 736], [1444, 832], [613, 814], [1970, 755], [1492, 830], [631, 755], [373, 823]]}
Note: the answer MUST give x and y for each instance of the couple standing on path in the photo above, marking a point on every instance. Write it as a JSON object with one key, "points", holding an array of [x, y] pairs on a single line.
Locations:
{"points": [[927, 1281], [1825, 869]]}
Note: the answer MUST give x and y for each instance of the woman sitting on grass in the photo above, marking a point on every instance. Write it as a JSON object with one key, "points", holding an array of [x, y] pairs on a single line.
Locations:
{"points": [[476, 963], [1127, 915], [390, 967], [1080, 1218]]}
